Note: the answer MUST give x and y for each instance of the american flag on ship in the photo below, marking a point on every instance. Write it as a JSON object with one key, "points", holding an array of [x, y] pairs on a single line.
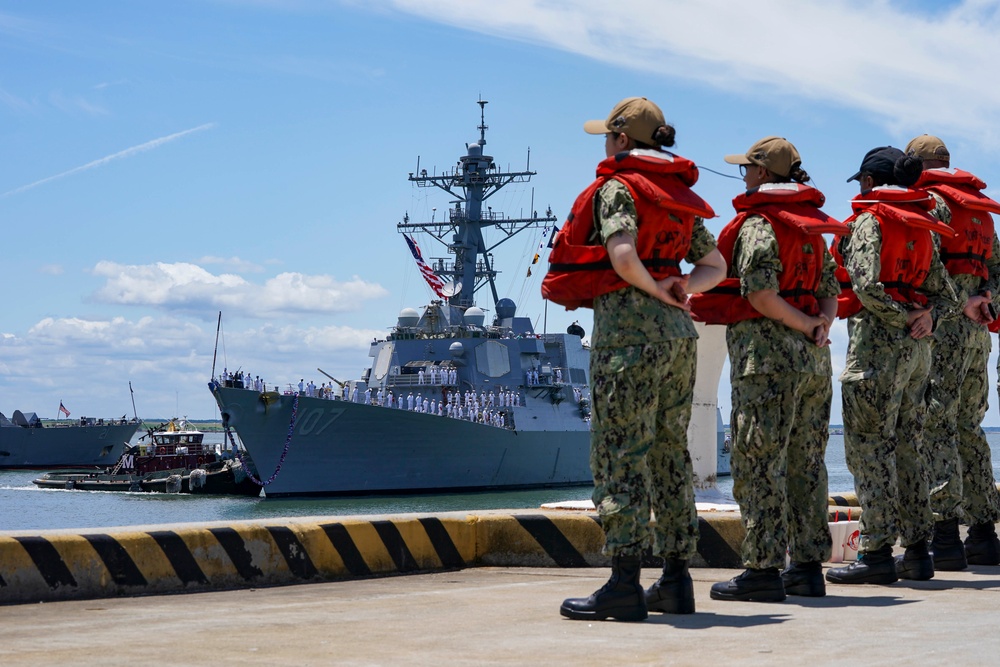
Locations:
{"points": [[426, 271]]}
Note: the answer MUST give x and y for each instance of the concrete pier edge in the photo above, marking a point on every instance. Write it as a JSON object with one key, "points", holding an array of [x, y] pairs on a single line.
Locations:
{"points": [[54, 565]]}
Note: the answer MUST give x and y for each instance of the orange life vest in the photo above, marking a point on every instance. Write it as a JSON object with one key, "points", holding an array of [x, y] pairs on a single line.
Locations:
{"points": [[660, 183], [793, 210], [905, 257], [970, 218]]}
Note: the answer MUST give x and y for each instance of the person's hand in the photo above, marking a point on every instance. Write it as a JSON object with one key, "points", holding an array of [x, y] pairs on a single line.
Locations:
{"points": [[977, 309], [821, 331], [920, 323], [673, 291]]}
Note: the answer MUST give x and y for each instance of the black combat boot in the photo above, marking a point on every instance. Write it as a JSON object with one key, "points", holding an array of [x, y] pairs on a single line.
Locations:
{"points": [[915, 563], [805, 579], [673, 593], [982, 546], [873, 567], [751, 586], [622, 597], [947, 547]]}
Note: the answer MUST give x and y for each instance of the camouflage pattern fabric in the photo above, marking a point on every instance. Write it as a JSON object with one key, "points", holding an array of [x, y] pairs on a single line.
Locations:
{"points": [[962, 484], [960, 461], [615, 212], [642, 369], [781, 394], [883, 407], [883, 386], [763, 346], [641, 398], [780, 426]]}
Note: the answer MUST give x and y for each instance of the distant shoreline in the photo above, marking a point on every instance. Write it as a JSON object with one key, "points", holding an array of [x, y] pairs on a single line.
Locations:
{"points": [[206, 425]]}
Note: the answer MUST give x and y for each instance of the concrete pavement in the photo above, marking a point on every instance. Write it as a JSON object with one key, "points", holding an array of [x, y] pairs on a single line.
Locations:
{"points": [[510, 616]]}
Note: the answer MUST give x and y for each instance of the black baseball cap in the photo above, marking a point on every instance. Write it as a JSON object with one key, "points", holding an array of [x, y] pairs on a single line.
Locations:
{"points": [[879, 160]]}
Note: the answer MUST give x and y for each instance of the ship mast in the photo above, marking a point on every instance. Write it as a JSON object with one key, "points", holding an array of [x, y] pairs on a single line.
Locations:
{"points": [[474, 179]]}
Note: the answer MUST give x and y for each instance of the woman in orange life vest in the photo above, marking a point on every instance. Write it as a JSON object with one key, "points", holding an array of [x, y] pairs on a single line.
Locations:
{"points": [[959, 457], [643, 352], [778, 303], [900, 289]]}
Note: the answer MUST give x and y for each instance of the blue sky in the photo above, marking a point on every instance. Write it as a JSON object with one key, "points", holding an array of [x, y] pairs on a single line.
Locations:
{"points": [[165, 161]]}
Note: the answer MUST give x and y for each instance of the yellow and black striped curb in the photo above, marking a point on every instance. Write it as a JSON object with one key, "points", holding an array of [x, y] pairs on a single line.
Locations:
{"points": [[61, 565], [845, 500]]}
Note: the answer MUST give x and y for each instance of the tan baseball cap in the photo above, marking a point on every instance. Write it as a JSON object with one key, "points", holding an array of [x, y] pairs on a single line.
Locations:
{"points": [[637, 117], [928, 147], [775, 154]]}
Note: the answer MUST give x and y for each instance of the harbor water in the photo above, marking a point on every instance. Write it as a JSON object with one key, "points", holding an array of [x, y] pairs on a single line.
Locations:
{"points": [[23, 506]]}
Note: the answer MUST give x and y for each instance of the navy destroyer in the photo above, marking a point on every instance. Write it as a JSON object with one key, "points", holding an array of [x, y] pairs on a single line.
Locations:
{"points": [[26, 443], [451, 401]]}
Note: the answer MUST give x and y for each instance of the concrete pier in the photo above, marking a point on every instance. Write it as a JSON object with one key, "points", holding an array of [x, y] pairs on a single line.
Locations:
{"points": [[510, 616]]}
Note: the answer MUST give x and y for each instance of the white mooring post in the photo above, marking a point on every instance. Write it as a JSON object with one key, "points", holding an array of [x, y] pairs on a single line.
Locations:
{"points": [[704, 431]]}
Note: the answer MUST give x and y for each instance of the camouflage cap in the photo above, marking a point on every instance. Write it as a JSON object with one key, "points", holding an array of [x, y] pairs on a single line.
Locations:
{"points": [[928, 147], [637, 117], [775, 154]]}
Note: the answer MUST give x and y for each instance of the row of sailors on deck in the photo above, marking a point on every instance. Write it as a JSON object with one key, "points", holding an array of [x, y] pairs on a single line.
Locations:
{"points": [[464, 403], [436, 375], [243, 379], [483, 409], [531, 377]]}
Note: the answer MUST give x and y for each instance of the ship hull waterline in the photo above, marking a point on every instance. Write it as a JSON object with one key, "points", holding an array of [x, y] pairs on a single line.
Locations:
{"points": [[340, 448]]}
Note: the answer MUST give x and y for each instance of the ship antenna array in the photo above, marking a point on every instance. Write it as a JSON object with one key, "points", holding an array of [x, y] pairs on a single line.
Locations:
{"points": [[470, 185], [482, 121]]}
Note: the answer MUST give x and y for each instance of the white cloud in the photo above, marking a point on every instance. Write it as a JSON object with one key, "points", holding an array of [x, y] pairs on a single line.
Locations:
{"points": [[88, 364], [188, 286], [232, 263], [908, 70], [52, 269]]}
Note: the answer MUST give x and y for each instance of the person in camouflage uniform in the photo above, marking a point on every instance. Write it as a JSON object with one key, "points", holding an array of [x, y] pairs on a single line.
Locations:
{"points": [[961, 469], [642, 370], [888, 362], [781, 377]]}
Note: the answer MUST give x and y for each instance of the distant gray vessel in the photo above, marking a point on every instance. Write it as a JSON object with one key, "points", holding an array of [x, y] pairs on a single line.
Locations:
{"points": [[450, 402], [25, 443]]}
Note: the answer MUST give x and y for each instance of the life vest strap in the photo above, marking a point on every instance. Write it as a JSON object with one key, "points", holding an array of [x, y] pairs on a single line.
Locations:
{"points": [[654, 263]]}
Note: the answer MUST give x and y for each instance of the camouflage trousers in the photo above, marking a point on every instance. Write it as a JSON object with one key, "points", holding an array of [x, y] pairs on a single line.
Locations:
{"points": [[960, 467], [641, 397], [884, 413], [780, 426]]}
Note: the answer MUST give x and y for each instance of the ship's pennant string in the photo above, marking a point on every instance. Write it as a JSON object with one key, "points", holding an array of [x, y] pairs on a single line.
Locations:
{"points": [[284, 453]]}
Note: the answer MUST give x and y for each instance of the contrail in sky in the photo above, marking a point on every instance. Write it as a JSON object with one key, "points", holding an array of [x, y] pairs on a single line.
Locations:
{"points": [[128, 152]]}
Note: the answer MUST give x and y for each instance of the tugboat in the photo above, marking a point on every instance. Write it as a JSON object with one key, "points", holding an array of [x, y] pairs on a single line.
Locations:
{"points": [[451, 402], [175, 461]]}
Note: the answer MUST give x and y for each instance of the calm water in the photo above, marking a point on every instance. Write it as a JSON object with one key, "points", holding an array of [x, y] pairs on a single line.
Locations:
{"points": [[23, 506]]}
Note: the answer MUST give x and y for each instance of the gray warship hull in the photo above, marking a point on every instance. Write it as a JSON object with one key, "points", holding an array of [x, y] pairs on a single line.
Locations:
{"points": [[342, 448], [63, 446]]}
